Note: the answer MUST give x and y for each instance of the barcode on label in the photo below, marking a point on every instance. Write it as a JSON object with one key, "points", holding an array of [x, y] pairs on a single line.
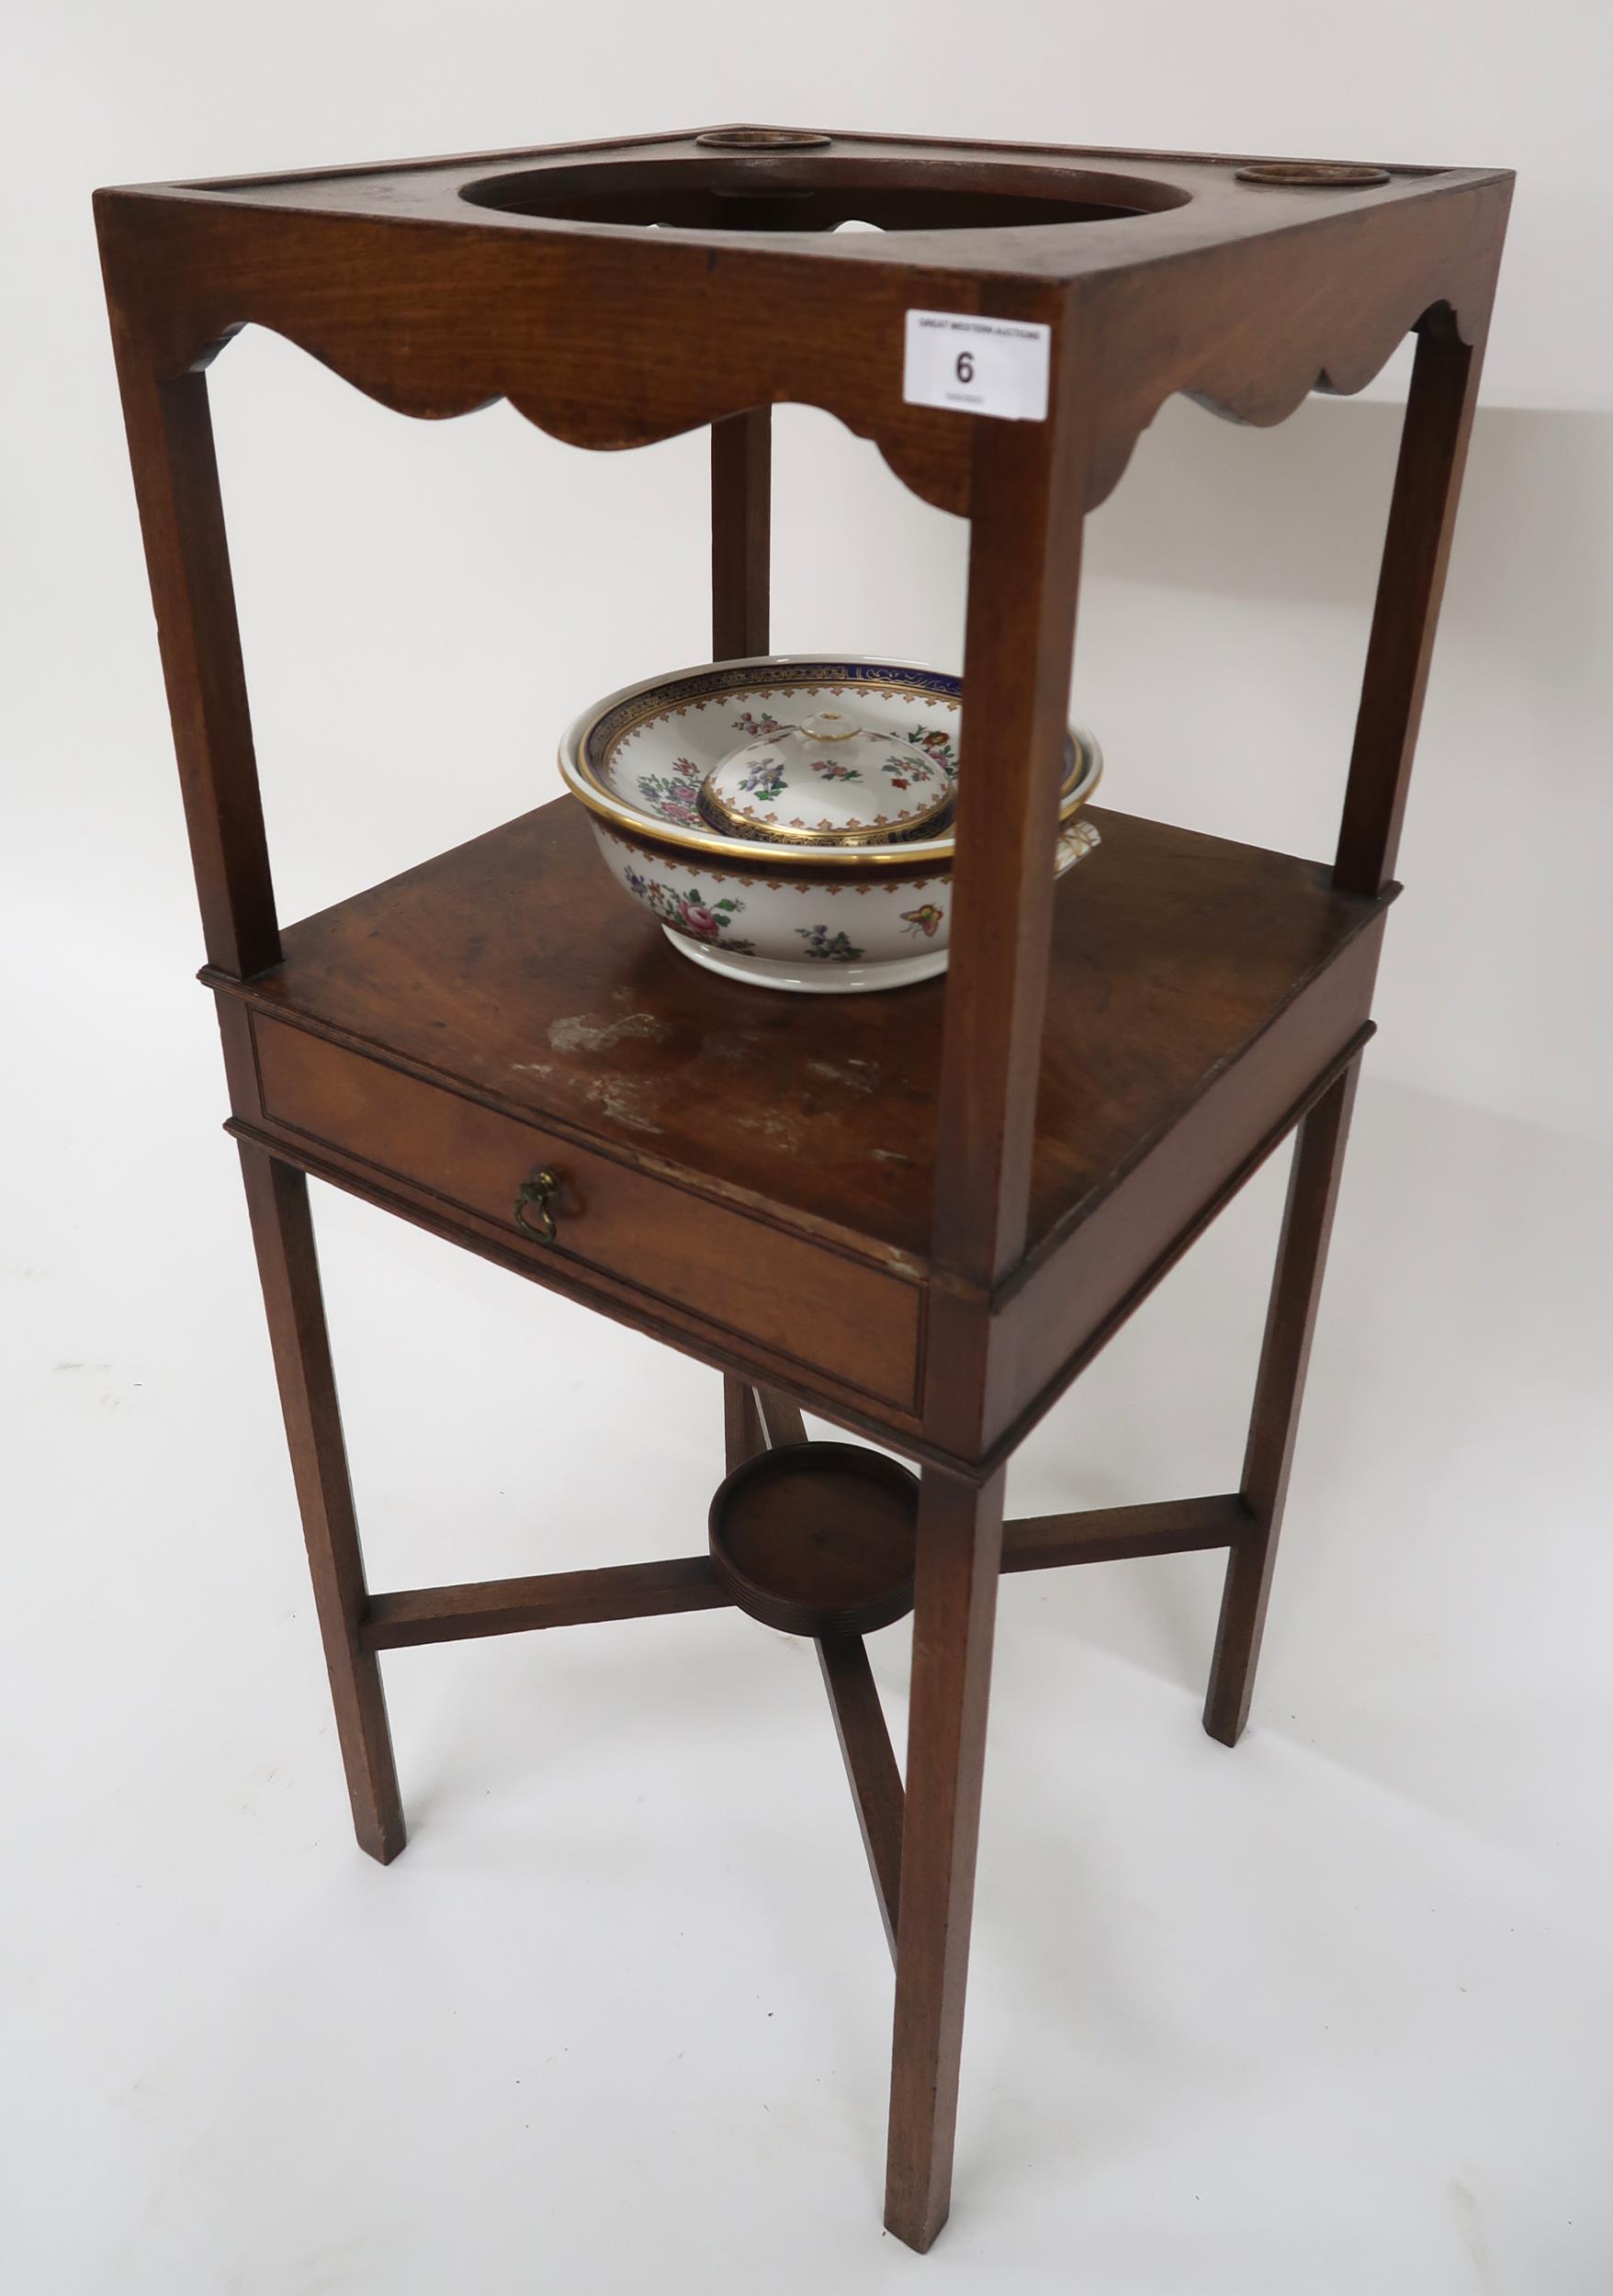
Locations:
{"points": [[977, 365]]}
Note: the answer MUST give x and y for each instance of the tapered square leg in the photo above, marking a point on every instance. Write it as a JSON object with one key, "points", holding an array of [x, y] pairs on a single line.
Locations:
{"points": [[282, 1229], [1296, 1290], [742, 1434], [960, 1553]]}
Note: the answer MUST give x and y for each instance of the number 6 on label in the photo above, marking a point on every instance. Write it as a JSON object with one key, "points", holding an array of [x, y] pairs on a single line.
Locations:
{"points": [[977, 366]]}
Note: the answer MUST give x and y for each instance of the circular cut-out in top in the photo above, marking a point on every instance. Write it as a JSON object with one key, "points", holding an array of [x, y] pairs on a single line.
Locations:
{"points": [[814, 186], [1313, 175], [818, 1539], [762, 139]]}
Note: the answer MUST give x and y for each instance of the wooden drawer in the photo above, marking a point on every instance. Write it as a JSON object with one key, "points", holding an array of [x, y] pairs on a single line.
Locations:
{"points": [[835, 1314]]}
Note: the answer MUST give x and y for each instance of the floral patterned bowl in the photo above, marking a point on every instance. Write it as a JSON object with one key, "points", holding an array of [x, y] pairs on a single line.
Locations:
{"points": [[787, 819]]}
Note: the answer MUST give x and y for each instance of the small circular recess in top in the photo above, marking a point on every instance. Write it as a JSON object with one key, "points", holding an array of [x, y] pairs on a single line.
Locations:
{"points": [[791, 180], [762, 139], [1311, 176]]}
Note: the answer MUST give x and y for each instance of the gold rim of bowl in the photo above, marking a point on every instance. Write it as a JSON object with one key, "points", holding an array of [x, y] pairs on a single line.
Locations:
{"points": [[579, 780]]}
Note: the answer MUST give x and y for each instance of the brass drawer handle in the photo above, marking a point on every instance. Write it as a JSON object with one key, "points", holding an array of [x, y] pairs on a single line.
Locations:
{"points": [[537, 1193]]}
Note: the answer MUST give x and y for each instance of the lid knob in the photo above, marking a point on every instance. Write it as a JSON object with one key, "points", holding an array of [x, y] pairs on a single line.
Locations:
{"points": [[829, 725]]}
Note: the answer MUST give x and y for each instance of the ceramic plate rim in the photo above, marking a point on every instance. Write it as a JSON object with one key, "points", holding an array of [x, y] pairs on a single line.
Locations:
{"points": [[579, 779]]}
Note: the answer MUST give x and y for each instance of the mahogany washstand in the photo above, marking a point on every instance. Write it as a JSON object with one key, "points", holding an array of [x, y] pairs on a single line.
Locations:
{"points": [[929, 1263]]}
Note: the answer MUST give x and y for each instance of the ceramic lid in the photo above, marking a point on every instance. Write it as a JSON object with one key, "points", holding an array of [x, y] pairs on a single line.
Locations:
{"points": [[824, 779]]}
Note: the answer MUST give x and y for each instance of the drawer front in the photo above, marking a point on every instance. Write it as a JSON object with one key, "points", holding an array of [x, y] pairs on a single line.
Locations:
{"points": [[826, 1311]]}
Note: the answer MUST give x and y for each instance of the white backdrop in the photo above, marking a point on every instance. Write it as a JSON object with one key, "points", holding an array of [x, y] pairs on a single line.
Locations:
{"points": [[1325, 2018]]}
